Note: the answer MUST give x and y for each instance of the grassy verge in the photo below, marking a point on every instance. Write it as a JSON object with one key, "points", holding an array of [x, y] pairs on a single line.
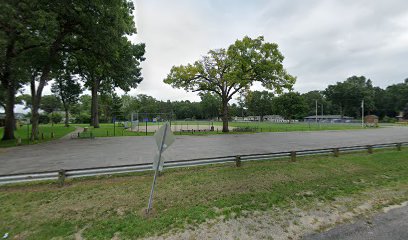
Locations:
{"points": [[45, 130], [103, 207]]}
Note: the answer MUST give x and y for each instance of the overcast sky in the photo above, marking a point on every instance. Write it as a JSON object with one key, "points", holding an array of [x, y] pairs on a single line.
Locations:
{"points": [[323, 41]]}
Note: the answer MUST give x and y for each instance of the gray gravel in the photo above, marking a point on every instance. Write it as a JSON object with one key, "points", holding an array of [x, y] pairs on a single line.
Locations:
{"points": [[80, 153], [392, 225]]}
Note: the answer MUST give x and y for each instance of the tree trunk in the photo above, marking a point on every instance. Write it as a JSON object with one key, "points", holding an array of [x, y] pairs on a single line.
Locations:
{"points": [[10, 122], [35, 117], [9, 85], [66, 117], [36, 100], [94, 107], [225, 115]]}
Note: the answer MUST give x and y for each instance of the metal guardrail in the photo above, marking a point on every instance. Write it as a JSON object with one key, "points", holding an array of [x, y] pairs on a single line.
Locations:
{"points": [[84, 172]]}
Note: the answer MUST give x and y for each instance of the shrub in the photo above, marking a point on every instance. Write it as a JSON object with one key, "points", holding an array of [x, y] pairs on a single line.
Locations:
{"points": [[43, 119], [83, 119], [55, 117]]}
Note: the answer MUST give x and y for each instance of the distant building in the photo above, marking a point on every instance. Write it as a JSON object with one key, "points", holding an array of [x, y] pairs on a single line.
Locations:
{"points": [[329, 118]]}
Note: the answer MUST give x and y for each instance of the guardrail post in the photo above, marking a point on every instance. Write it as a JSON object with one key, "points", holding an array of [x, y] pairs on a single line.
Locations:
{"points": [[398, 146], [336, 152], [293, 156], [61, 177], [370, 149], [238, 161]]}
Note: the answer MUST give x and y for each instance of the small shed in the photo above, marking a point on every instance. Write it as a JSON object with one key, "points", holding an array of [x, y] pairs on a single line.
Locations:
{"points": [[371, 121]]}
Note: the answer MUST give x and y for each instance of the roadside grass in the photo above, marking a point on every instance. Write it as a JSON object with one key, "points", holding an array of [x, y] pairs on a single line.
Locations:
{"points": [[45, 131], [108, 206]]}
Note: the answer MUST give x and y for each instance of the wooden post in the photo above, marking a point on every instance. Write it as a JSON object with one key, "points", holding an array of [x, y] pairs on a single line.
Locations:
{"points": [[79, 135], [370, 149], [398, 146], [61, 177], [293, 156], [42, 136], [336, 152], [238, 161]]}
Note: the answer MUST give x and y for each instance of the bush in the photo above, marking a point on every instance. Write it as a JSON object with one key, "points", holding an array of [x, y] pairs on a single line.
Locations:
{"points": [[387, 119], [83, 119], [43, 119], [55, 117]]}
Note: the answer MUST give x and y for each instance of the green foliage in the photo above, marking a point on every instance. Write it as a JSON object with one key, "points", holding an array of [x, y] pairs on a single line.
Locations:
{"points": [[405, 112], [348, 95], [395, 98], [83, 118], [111, 106], [44, 119], [55, 117], [322, 102], [291, 105], [50, 103], [67, 88], [227, 71], [210, 105], [260, 103]]}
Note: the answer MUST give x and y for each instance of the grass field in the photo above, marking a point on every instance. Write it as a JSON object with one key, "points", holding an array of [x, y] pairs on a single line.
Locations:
{"points": [[104, 207], [45, 130], [107, 129]]}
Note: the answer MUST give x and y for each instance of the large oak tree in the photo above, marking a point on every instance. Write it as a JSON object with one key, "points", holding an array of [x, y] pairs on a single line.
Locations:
{"points": [[226, 72]]}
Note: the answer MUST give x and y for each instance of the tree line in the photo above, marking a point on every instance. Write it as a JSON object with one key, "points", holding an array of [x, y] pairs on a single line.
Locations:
{"points": [[343, 98]]}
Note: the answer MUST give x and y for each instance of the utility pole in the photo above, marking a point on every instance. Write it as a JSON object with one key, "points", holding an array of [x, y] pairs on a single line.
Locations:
{"points": [[322, 110], [362, 113], [316, 110]]}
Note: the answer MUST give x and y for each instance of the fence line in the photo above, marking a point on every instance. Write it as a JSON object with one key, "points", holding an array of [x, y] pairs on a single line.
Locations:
{"points": [[62, 174]]}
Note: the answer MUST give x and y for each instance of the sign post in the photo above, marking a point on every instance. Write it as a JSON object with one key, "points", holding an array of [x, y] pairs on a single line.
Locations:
{"points": [[164, 138]]}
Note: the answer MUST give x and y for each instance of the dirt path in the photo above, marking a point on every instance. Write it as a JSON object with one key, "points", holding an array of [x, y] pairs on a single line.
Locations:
{"points": [[73, 134]]}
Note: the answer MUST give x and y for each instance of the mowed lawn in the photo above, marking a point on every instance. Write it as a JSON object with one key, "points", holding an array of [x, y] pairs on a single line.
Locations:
{"points": [[45, 131], [108, 129], [104, 207]]}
